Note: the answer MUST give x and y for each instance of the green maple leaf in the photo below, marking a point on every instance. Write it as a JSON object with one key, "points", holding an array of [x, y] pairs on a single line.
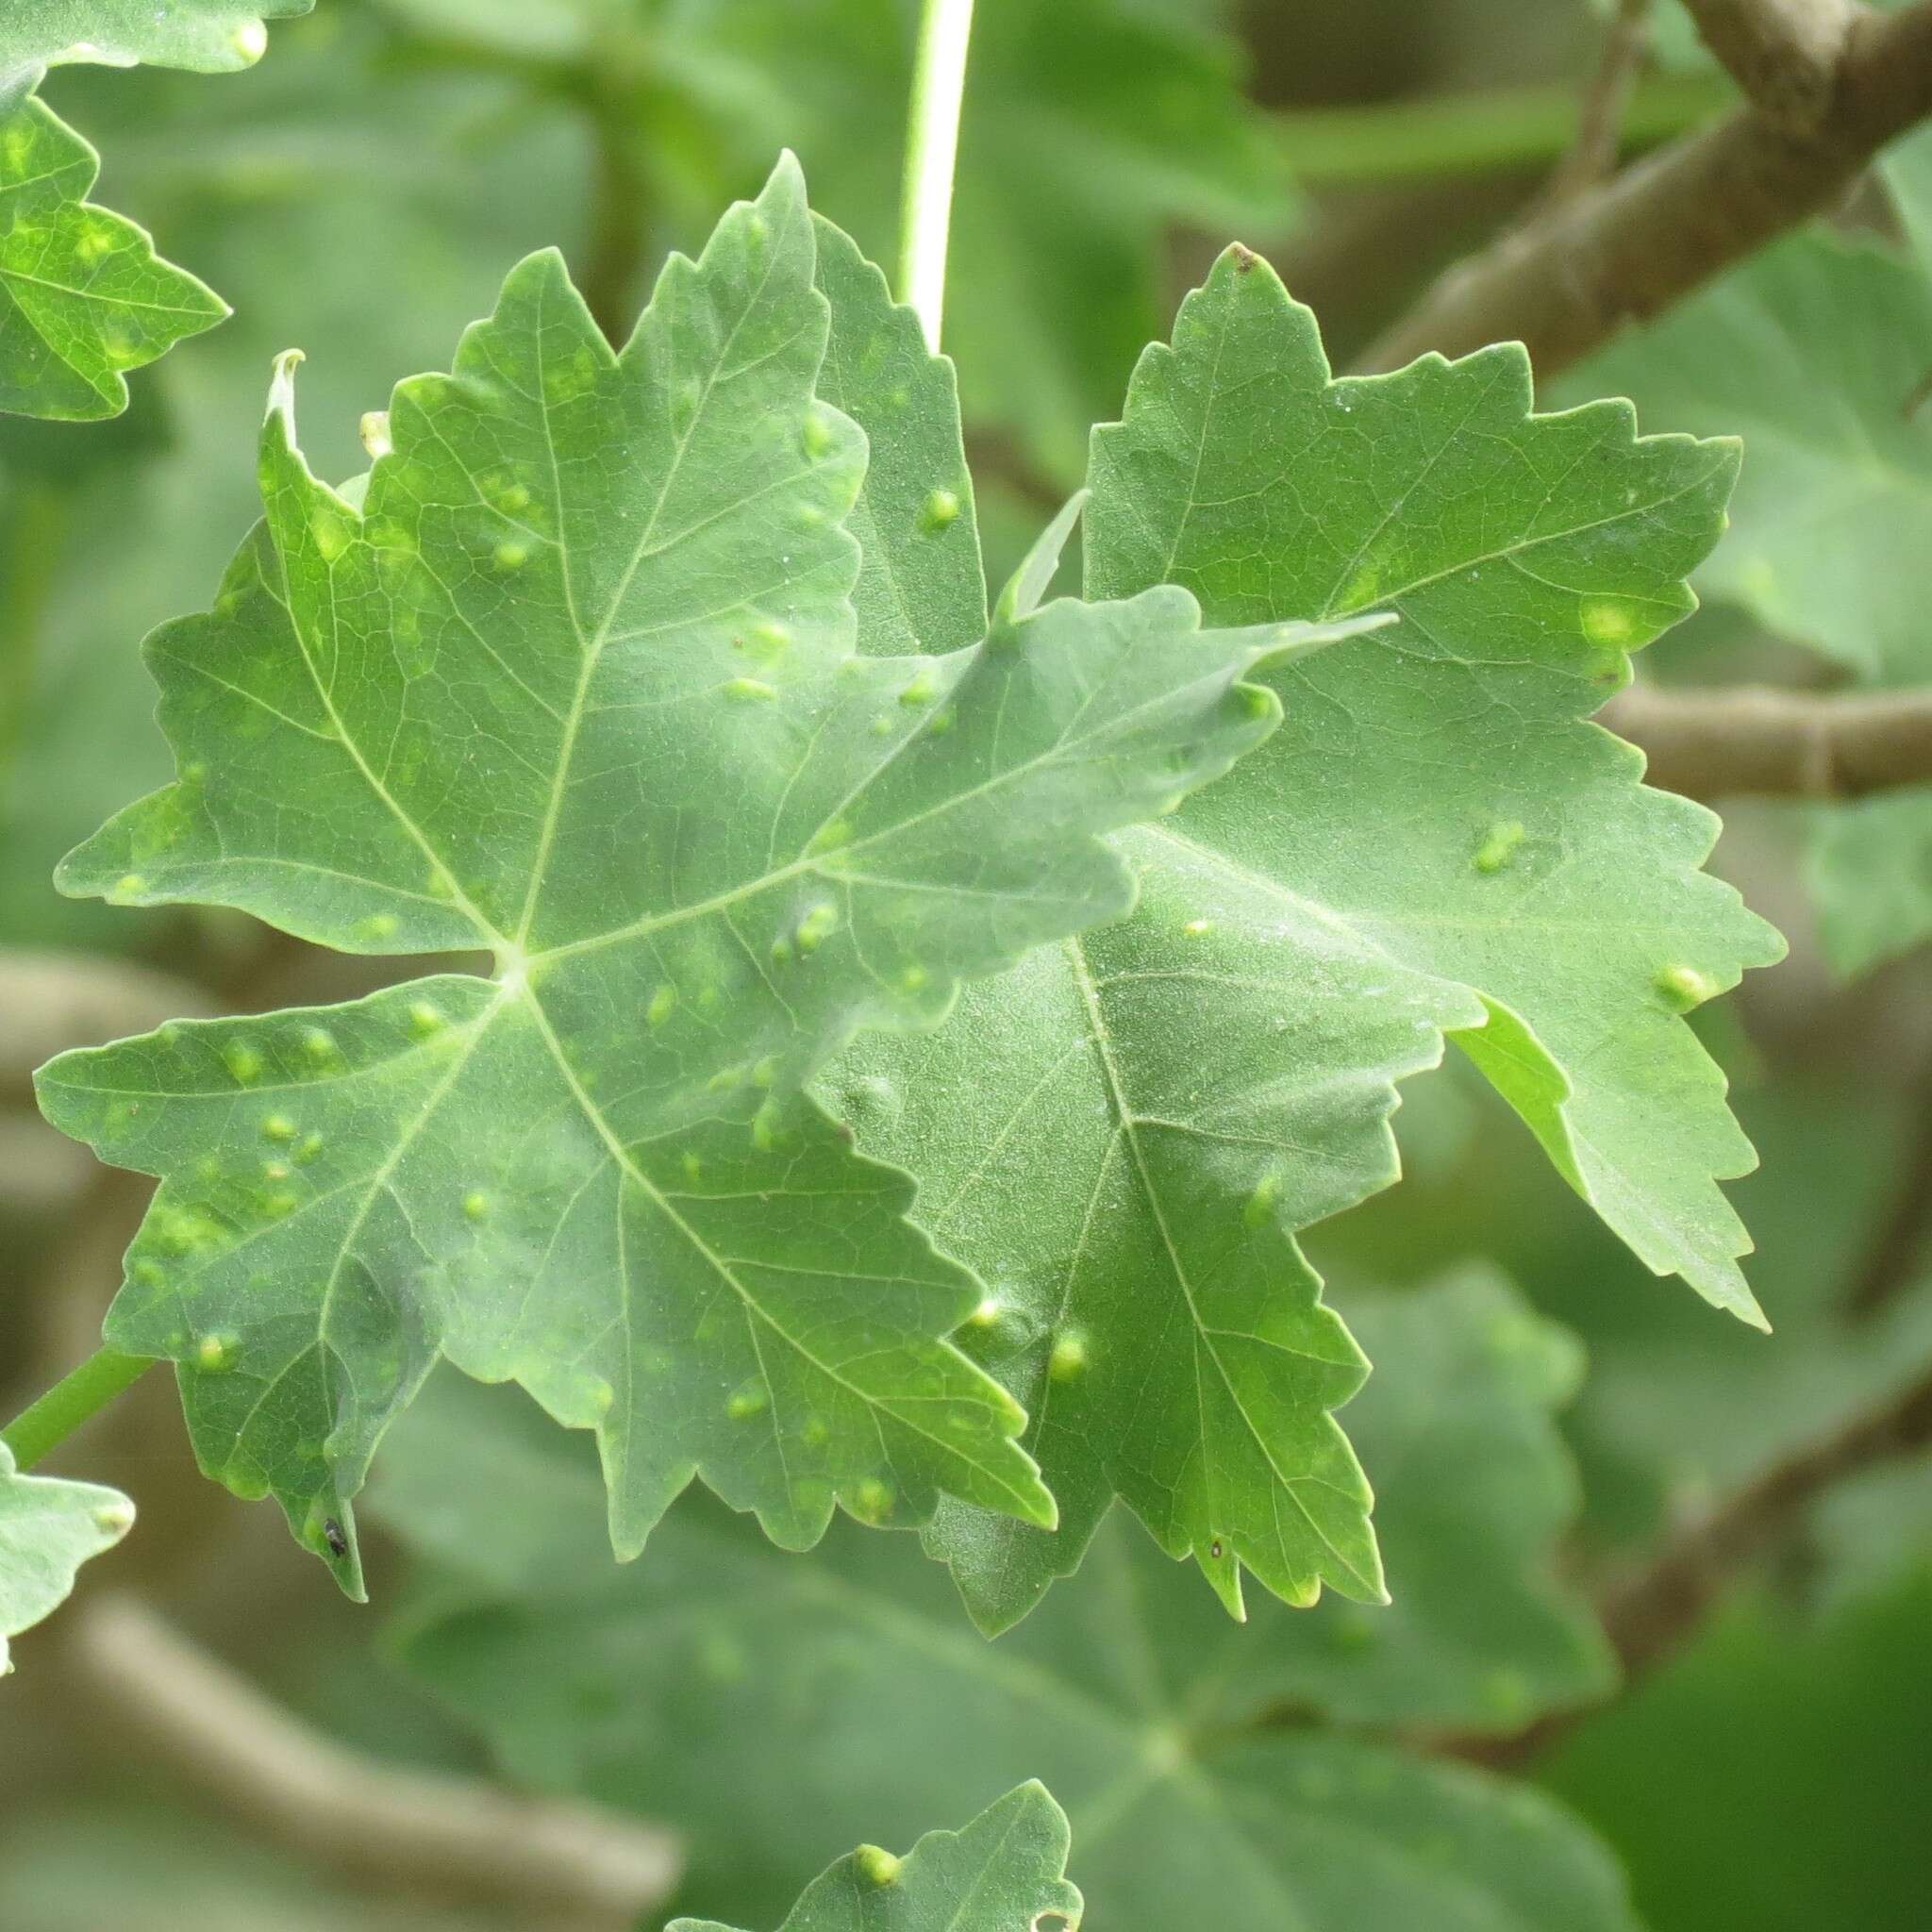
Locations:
{"points": [[1123, 1137], [1816, 350], [83, 296], [782, 1707], [48, 1529], [1002, 1873], [570, 680], [210, 35]]}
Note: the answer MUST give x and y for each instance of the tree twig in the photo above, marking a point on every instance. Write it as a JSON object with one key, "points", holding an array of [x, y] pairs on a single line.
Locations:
{"points": [[1782, 53], [577, 1865], [1652, 1612], [1600, 125], [1749, 739], [1567, 282], [1889, 1265]]}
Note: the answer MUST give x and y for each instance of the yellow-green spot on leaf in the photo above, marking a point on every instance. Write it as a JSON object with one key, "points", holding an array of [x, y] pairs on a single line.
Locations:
{"points": [[781, 951], [426, 1019], [319, 1046], [1195, 928], [988, 1313], [115, 1519], [249, 41], [1361, 590], [1255, 700], [882, 726], [873, 1502], [832, 834], [131, 885], [331, 534], [816, 926], [765, 1071], [1611, 621], [765, 1127], [815, 1433], [749, 1399], [513, 556], [379, 926], [664, 1004], [512, 499], [941, 508], [749, 689], [1261, 1204], [1069, 1356], [913, 978], [476, 1205], [278, 1126], [817, 433], [939, 723], [1685, 986], [275, 1170], [243, 1060], [211, 1354], [308, 1148], [1498, 846], [277, 1205], [769, 638], [875, 1865], [374, 430], [693, 1166], [922, 691]]}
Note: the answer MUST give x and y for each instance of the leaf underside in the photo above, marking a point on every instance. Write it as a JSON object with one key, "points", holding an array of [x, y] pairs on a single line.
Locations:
{"points": [[569, 678], [1123, 1137], [48, 1529], [83, 296], [209, 36]]}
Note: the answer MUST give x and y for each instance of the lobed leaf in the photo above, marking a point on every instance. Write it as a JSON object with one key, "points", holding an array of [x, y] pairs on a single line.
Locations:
{"points": [[1817, 350], [1123, 1137], [48, 1529], [1001, 1873], [570, 680], [210, 35], [83, 296]]}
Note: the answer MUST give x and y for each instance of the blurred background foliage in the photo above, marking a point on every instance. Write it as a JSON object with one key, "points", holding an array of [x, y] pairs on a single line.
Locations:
{"points": [[361, 194]]}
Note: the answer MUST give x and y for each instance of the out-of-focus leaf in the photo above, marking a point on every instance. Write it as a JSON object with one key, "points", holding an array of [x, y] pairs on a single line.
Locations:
{"points": [[773, 1703], [1806, 1744], [1089, 126], [211, 35], [1818, 352], [48, 1529]]}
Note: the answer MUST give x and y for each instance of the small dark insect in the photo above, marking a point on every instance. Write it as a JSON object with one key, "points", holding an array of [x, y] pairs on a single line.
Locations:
{"points": [[1214, 1549], [332, 1534]]}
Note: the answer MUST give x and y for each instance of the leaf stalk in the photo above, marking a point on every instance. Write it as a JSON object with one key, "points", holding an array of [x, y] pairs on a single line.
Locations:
{"points": [[932, 147], [74, 1399]]}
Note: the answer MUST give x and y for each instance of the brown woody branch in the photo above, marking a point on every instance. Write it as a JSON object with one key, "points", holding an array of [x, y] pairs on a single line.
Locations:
{"points": [[1654, 1611], [1600, 124], [1566, 282], [1743, 741], [568, 1865], [1782, 53]]}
